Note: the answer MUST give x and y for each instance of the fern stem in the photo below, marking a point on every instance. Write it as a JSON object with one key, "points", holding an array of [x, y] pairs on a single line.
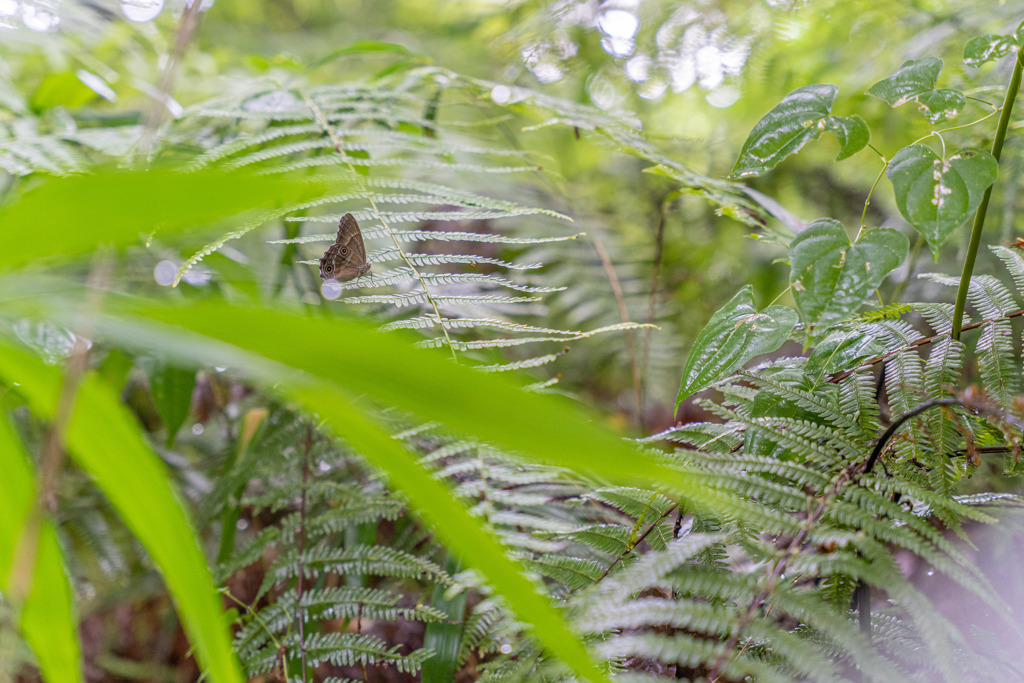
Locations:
{"points": [[883, 441], [326, 126], [920, 342], [639, 540], [620, 299], [979, 216], [844, 477]]}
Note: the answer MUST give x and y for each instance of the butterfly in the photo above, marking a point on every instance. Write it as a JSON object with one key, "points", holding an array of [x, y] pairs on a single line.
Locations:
{"points": [[346, 258]]}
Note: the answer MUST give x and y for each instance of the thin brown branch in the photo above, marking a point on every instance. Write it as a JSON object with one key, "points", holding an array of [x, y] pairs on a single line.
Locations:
{"points": [[652, 293], [308, 446], [158, 110], [51, 455], [620, 300]]}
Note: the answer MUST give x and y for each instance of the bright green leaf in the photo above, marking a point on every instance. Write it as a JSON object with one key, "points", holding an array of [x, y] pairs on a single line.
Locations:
{"points": [[63, 89], [60, 217], [736, 333], [937, 195], [831, 277], [800, 117]]}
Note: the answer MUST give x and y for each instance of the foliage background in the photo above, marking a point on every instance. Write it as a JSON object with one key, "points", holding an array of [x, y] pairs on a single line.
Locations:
{"points": [[732, 58]]}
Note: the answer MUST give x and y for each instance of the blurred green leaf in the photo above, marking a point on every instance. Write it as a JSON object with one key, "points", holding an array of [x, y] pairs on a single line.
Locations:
{"points": [[105, 441], [47, 612], [800, 117], [832, 277], [63, 89], [937, 195], [736, 333], [71, 216]]}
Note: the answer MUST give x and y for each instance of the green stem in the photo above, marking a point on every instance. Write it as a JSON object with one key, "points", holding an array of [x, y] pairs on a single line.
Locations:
{"points": [[979, 217]]}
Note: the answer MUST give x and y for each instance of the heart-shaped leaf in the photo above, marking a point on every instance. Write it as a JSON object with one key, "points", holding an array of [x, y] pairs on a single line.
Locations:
{"points": [[736, 333], [988, 48], [937, 195], [915, 81], [832, 277], [941, 105], [800, 117], [914, 78]]}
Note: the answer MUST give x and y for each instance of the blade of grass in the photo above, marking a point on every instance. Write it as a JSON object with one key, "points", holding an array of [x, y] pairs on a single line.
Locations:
{"points": [[104, 440], [46, 614]]}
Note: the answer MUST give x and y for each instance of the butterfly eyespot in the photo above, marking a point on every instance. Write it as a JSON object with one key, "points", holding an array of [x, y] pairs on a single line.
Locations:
{"points": [[330, 268], [344, 251]]}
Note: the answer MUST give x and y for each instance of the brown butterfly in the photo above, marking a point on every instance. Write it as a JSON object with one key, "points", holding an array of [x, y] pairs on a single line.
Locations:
{"points": [[346, 258]]}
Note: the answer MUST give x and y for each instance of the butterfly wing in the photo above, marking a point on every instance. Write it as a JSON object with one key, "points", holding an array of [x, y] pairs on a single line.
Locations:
{"points": [[346, 258]]}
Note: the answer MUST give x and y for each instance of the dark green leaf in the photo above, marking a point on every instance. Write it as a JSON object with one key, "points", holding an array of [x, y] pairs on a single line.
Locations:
{"points": [[735, 334], [800, 117], [831, 277], [172, 395], [937, 195], [444, 637], [914, 78], [852, 131]]}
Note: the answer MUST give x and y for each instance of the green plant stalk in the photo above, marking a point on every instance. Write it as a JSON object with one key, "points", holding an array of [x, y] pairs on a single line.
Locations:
{"points": [[979, 217]]}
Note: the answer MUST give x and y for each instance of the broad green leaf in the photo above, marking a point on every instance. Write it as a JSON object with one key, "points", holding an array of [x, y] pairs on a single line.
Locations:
{"points": [[105, 441], [941, 105], [171, 388], [842, 350], [914, 78], [70, 216], [988, 48], [937, 195], [831, 277], [47, 612], [736, 333], [800, 117]]}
